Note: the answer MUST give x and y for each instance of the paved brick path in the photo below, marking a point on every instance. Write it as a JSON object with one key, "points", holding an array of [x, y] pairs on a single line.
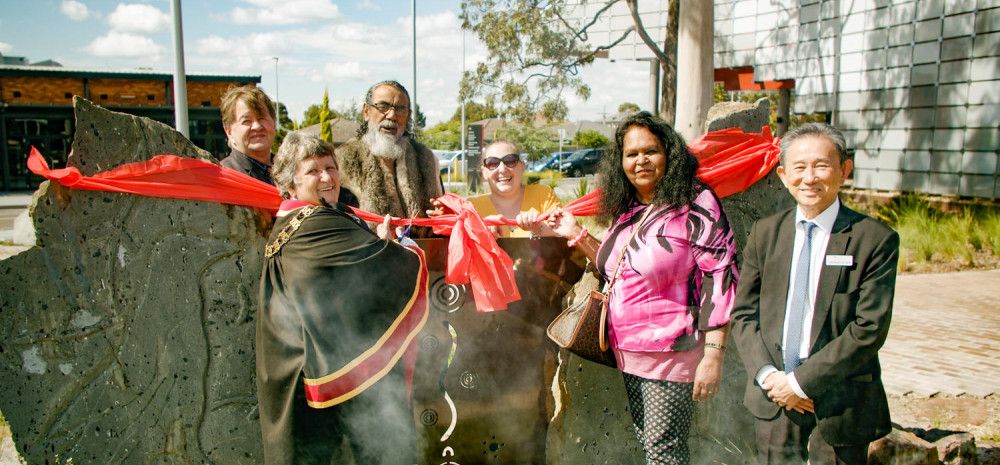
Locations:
{"points": [[945, 335]]}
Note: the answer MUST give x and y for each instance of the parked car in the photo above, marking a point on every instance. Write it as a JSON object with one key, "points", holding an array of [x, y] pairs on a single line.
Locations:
{"points": [[549, 162], [581, 162], [447, 159]]}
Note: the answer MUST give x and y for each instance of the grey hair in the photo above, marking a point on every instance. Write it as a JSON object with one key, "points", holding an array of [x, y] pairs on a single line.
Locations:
{"points": [[816, 129], [296, 148], [368, 101]]}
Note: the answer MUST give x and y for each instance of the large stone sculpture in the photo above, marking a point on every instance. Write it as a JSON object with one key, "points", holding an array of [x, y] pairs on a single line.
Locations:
{"points": [[126, 335]]}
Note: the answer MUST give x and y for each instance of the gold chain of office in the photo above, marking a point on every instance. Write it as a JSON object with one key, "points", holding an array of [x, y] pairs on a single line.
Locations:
{"points": [[288, 230]]}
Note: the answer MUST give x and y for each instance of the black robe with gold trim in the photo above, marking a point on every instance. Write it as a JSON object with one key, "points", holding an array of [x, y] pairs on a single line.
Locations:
{"points": [[338, 308]]}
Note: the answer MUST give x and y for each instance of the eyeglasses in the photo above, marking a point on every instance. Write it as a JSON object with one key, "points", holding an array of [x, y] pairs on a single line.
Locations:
{"points": [[384, 107], [510, 160]]}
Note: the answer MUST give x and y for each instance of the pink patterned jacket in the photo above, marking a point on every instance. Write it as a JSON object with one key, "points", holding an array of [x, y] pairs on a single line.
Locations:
{"points": [[678, 277]]}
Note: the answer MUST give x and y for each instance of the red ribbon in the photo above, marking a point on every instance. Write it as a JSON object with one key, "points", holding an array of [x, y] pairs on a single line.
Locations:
{"points": [[730, 160]]}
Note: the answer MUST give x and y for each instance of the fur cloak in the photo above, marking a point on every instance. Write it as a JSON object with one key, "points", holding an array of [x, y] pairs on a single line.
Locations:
{"points": [[376, 187]]}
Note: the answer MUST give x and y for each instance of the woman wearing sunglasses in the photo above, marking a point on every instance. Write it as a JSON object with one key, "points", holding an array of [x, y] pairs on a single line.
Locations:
{"points": [[503, 169]]}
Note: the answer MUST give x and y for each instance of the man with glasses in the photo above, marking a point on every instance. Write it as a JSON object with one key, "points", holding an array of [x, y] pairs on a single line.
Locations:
{"points": [[812, 310], [384, 165]]}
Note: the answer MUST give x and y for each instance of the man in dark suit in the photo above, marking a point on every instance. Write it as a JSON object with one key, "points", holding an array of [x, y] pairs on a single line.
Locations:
{"points": [[812, 310]]}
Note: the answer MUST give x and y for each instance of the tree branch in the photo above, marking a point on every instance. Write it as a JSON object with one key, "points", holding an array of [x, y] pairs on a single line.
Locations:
{"points": [[581, 34], [641, 30]]}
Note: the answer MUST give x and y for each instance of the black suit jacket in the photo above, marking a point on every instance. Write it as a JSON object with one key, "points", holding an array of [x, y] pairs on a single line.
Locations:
{"points": [[850, 323]]}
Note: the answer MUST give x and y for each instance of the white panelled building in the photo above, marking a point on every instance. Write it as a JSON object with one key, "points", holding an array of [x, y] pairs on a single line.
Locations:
{"points": [[915, 85]]}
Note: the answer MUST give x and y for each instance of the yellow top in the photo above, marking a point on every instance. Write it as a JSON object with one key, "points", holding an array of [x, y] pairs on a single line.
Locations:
{"points": [[536, 197]]}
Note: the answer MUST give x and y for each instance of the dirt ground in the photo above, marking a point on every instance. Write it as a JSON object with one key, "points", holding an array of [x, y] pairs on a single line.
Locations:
{"points": [[977, 415]]}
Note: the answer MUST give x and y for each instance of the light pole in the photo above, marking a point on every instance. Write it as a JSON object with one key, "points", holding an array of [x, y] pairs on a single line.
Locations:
{"points": [[180, 76], [413, 13], [277, 108], [462, 157]]}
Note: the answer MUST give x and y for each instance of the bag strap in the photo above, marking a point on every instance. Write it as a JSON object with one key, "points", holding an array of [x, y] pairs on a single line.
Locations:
{"points": [[602, 339], [621, 258]]}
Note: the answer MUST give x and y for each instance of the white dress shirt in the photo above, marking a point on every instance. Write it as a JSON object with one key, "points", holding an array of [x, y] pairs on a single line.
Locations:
{"points": [[820, 238]]}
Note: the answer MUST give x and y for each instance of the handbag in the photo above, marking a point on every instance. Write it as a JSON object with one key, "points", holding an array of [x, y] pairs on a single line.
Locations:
{"points": [[582, 328]]}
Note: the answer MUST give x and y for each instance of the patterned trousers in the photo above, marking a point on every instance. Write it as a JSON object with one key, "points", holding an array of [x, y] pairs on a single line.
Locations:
{"points": [[662, 413]]}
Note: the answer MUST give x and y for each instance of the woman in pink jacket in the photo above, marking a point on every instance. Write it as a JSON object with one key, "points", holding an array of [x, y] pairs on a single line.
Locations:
{"points": [[668, 310]]}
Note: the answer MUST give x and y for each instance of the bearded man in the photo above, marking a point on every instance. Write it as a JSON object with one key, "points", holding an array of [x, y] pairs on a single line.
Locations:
{"points": [[389, 171]]}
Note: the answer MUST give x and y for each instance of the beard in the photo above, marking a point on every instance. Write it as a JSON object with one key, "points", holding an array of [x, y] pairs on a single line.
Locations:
{"points": [[384, 145]]}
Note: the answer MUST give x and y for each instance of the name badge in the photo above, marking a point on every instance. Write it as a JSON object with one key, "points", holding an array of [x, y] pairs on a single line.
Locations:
{"points": [[839, 260]]}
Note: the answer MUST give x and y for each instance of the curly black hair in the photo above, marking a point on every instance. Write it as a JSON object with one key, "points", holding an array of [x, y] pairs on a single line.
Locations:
{"points": [[678, 186]]}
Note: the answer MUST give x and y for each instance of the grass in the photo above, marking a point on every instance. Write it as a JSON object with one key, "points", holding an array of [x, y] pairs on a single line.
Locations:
{"points": [[935, 240]]}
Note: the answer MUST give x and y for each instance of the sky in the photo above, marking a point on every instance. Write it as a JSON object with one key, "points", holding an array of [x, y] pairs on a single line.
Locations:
{"points": [[340, 45]]}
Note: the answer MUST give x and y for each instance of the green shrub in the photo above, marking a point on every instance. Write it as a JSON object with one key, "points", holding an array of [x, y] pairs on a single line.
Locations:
{"points": [[988, 231], [929, 235], [581, 187]]}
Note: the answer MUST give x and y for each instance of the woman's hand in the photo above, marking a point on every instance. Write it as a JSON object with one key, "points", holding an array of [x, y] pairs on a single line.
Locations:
{"points": [[528, 221], [708, 375], [563, 223], [383, 229]]}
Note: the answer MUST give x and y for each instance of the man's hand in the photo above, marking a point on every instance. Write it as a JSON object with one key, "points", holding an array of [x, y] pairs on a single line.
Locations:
{"points": [[438, 209], [781, 393]]}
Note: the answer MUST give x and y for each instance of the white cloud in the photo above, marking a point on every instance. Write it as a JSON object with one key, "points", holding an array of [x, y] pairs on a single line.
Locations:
{"points": [[124, 45], [266, 44], [278, 12], [368, 5], [74, 10], [351, 70], [6, 48], [139, 18], [214, 45]]}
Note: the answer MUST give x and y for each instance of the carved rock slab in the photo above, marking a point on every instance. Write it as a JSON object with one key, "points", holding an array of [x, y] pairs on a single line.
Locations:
{"points": [[126, 334]]}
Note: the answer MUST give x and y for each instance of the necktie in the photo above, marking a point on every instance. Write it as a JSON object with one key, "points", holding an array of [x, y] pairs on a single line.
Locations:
{"points": [[800, 301]]}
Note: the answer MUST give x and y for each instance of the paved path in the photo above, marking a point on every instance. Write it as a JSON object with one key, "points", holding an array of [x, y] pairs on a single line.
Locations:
{"points": [[945, 335]]}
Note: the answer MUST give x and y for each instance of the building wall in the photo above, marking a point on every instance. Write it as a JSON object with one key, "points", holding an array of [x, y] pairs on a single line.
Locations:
{"points": [[17, 90], [23, 90], [37, 111], [200, 93], [128, 92], [915, 85]]}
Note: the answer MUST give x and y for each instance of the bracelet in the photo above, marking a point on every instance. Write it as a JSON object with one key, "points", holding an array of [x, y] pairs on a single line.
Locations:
{"points": [[572, 242], [715, 346]]}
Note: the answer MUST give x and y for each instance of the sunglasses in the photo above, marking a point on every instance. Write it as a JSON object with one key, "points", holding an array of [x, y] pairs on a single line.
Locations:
{"points": [[510, 160]]}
